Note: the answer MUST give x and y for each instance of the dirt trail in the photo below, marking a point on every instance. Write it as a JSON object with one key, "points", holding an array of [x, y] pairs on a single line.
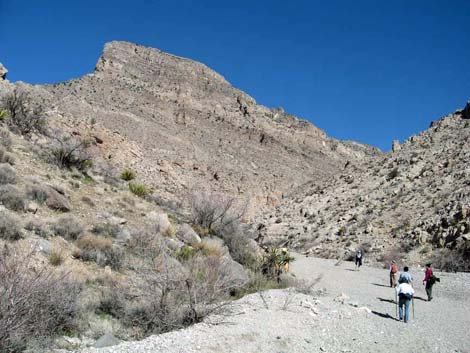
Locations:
{"points": [[294, 322], [442, 325]]}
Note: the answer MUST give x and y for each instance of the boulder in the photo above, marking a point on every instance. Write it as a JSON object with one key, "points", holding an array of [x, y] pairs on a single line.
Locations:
{"points": [[116, 221], [45, 246], [160, 221], [107, 340], [187, 235], [56, 201], [123, 236], [173, 244], [233, 272]]}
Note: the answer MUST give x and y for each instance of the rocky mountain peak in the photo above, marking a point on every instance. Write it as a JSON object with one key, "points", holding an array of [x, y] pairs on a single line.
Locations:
{"points": [[189, 126]]}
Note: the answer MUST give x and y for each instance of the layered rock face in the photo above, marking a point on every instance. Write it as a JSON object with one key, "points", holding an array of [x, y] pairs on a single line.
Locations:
{"points": [[182, 126], [411, 203]]}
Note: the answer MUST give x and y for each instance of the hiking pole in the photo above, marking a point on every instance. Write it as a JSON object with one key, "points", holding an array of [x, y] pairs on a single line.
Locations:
{"points": [[396, 302]]}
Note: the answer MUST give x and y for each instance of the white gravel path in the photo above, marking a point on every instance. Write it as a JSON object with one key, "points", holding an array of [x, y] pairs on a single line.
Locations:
{"points": [[319, 323]]}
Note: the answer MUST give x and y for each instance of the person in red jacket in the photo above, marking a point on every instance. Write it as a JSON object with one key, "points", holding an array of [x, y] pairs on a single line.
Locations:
{"points": [[393, 274], [428, 281]]}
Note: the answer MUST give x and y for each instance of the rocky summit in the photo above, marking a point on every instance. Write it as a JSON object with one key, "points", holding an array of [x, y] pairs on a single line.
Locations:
{"points": [[182, 125]]}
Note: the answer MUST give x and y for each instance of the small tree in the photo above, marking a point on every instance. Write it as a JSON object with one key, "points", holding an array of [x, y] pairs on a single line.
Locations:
{"points": [[71, 152], [23, 114]]}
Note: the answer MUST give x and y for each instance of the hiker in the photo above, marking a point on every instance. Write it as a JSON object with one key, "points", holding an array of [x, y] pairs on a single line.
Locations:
{"points": [[285, 254], [393, 274], [405, 276], [429, 280], [358, 259], [405, 294]]}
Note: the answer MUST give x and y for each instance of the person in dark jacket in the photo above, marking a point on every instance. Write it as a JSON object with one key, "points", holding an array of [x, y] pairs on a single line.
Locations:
{"points": [[358, 259]]}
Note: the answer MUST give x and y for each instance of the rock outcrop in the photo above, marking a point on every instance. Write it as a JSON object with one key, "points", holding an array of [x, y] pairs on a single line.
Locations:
{"points": [[3, 72]]}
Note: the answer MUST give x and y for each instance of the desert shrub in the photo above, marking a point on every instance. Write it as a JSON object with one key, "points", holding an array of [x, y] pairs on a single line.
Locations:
{"points": [[70, 152], [12, 198], [3, 115], [111, 302], [393, 254], [7, 174], [451, 260], [127, 175], [166, 297], [37, 192], [138, 189], [258, 283], [38, 227], [202, 231], [185, 253], [6, 157], [106, 229], [145, 245], [68, 227], [91, 242], [169, 231], [211, 209], [35, 302], [24, 114], [10, 228], [5, 139], [101, 251]]}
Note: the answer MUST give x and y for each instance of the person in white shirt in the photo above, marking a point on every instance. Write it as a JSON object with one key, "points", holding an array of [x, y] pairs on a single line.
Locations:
{"points": [[405, 293]]}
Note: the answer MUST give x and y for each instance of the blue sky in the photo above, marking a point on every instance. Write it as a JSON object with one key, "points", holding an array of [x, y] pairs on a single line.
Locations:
{"points": [[370, 71]]}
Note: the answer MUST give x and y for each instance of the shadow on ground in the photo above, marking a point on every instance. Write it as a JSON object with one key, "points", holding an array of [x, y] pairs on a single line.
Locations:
{"points": [[387, 300], [420, 298], [380, 285], [384, 316]]}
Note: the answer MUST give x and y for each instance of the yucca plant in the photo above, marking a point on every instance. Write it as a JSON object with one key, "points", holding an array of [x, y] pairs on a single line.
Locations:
{"points": [[275, 262]]}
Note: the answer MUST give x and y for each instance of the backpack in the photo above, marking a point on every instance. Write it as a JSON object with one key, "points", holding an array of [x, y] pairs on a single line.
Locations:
{"points": [[405, 295], [433, 279], [394, 269]]}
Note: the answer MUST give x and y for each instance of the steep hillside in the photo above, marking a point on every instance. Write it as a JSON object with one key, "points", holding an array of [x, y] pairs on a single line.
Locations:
{"points": [[412, 203], [186, 126]]}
